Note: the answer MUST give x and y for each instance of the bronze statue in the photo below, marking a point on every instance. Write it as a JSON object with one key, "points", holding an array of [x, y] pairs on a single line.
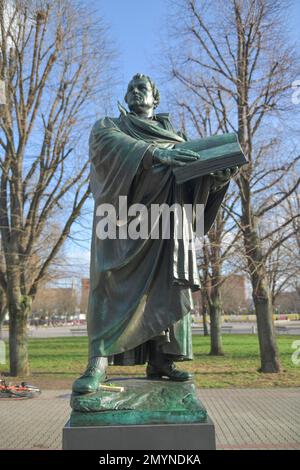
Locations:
{"points": [[141, 289]]}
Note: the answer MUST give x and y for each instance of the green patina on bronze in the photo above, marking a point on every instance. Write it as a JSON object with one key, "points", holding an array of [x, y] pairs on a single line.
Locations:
{"points": [[141, 287], [140, 299], [142, 402]]}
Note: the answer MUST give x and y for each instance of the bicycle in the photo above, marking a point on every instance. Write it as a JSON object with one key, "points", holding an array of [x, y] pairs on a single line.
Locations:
{"points": [[24, 390]]}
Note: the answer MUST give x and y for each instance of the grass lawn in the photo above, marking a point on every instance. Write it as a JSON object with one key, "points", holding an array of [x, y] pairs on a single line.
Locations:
{"points": [[56, 362]]}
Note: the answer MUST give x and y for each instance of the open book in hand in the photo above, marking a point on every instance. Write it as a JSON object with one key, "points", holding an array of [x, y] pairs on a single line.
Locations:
{"points": [[217, 153]]}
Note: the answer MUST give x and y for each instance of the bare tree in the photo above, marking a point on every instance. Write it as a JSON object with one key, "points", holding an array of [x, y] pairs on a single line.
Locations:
{"points": [[204, 288], [215, 253], [282, 244], [231, 63], [53, 301], [54, 59]]}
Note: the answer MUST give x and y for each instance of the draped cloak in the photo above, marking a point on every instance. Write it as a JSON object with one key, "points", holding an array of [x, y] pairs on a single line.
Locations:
{"points": [[141, 289]]}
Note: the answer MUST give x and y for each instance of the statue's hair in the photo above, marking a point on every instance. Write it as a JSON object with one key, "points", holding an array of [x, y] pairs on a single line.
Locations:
{"points": [[155, 91]]}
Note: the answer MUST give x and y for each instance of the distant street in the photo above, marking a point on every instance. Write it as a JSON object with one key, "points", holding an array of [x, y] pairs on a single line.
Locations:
{"points": [[284, 327], [281, 327]]}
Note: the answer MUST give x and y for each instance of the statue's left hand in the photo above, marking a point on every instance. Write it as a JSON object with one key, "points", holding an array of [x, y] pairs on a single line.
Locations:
{"points": [[220, 178]]}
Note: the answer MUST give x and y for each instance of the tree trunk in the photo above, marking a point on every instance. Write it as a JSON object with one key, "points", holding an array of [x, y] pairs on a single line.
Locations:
{"points": [[18, 342], [19, 307], [205, 327], [204, 306], [3, 309], [269, 354], [261, 295], [267, 341], [215, 310]]}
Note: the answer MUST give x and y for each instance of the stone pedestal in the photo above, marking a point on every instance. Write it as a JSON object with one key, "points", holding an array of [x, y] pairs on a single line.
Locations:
{"points": [[147, 415], [196, 436]]}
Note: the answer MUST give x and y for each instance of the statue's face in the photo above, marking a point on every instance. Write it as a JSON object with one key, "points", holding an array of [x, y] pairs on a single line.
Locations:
{"points": [[139, 96]]}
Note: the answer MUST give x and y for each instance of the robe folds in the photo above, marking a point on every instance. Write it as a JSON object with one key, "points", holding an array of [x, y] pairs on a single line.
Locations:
{"points": [[141, 289]]}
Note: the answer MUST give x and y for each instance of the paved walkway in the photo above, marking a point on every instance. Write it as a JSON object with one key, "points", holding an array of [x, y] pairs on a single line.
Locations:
{"points": [[244, 419]]}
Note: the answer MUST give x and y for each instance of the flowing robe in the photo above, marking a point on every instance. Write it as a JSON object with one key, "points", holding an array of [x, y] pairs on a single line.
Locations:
{"points": [[141, 289]]}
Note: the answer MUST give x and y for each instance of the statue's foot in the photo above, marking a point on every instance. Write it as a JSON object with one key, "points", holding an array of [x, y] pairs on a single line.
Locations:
{"points": [[169, 370], [91, 379]]}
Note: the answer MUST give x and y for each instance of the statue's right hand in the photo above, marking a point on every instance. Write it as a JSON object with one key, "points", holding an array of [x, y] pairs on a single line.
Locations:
{"points": [[175, 156]]}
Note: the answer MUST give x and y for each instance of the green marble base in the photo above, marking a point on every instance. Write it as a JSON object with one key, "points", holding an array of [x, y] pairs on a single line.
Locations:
{"points": [[142, 402]]}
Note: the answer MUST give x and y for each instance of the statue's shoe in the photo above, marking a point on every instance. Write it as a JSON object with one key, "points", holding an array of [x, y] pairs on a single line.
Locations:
{"points": [[89, 381], [167, 370]]}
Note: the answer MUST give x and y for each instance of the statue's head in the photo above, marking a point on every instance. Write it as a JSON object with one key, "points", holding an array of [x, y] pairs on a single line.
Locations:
{"points": [[142, 96]]}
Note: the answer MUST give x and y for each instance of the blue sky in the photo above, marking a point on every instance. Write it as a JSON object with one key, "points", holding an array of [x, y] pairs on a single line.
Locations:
{"points": [[136, 24]]}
